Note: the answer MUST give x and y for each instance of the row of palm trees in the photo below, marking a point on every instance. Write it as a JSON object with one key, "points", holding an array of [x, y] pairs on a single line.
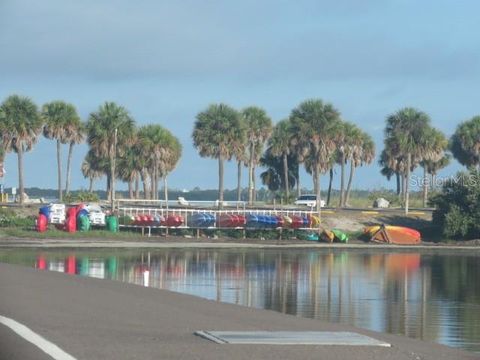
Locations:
{"points": [[313, 135], [117, 147]]}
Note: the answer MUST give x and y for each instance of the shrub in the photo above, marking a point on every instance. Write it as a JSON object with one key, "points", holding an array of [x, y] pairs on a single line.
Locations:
{"points": [[80, 196], [457, 210]]}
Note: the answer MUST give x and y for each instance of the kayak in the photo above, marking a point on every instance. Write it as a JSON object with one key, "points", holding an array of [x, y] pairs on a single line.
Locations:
{"points": [[314, 221], [334, 234], [393, 234], [202, 220], [340, 235]]}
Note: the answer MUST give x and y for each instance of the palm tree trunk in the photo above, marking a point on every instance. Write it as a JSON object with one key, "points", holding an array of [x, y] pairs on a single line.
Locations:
{"points": [[254, 198], [69, 163], [316, 183], [250, 175], [137, 186], [165, 189], [59, 171], [130, 189], [145, 179], [425, 187], [330, 187], [299, 190], [285, 176], [108, 186], [397, 177], [342, 181], [90, 185], [407, 185], [220, 181], [349, 185], [401, 197], [20, 171], [155, 182], [239, 180]]}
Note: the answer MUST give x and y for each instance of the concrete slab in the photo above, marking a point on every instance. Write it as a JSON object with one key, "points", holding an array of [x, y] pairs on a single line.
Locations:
{"points": [[291, 338]]}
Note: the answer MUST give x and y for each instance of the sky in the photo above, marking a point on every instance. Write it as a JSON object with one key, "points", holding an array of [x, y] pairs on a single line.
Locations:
{"points": [[166, 61]]}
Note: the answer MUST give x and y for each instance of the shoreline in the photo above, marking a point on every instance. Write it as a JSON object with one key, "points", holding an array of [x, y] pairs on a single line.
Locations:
{"points": [[180, 242]]}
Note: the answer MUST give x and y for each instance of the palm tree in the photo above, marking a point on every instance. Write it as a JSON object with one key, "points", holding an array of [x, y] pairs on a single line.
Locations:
{"points": [[162, 151], [241, 156], [173, 153], [75, 134], [129, 168], [56, 115], [349, 140], [274, 176], [20, 127], [433, 153], [433, 167], [465, 143], [93, 168], [279, 145], [215, 129], [408, 128], [110, 131], [387, 169], [315, 125], [362, 152], [259, 128]]}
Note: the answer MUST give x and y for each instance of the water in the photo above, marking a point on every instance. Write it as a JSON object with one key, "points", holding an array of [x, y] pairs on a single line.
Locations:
{"points": [[433, 296]]}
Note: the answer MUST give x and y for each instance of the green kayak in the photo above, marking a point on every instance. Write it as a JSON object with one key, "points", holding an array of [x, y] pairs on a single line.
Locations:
{"points": [[340, 235]]}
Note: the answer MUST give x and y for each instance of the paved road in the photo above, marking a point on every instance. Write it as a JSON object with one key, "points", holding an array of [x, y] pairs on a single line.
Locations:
{"points": [[100, 319]]}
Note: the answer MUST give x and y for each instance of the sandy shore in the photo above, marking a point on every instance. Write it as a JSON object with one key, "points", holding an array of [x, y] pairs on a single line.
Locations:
{"points": [[181, 242], [102, 319]]}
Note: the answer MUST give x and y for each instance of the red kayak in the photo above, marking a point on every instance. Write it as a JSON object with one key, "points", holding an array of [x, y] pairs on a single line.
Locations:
{"points": [[173, 220]]}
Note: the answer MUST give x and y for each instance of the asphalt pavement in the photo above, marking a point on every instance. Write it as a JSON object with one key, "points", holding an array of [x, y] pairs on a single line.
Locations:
{"points": [[102, 319]]}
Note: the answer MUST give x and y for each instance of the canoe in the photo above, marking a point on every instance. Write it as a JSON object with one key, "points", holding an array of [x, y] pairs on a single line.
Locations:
{"points": [[280, 221], [393, 234], [261, 221], [314, 221], [174, 220], [297, 222], [226, 220], [328, 235], [340, 235], [287, 221], [202, 220]]}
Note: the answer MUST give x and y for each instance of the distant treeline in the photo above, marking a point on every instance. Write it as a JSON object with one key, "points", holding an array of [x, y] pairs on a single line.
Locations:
{"points": [[192, 195]]}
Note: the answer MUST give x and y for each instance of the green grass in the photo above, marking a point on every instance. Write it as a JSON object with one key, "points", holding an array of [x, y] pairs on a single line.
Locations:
{"points": [[416, 201]]}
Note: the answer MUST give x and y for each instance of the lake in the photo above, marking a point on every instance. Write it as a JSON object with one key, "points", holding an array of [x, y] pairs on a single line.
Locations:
{"points": [[431, 295]]}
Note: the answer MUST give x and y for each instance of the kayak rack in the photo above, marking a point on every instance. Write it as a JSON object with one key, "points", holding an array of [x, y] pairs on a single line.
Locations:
{"points": [[127, 213]]}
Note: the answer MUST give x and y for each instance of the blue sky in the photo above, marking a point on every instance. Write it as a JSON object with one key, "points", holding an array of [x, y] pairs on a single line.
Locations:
{"points": [[166, 61]]}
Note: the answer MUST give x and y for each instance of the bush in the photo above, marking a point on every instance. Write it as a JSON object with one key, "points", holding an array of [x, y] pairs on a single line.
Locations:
{"points": [[80, 196], [457, 210]]}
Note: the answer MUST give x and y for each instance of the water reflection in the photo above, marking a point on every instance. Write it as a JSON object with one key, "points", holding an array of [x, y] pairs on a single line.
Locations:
{"points": [[427, 296]]}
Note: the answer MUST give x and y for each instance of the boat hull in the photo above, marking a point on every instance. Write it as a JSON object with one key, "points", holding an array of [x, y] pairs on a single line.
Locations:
{"points": [[394, 235]]}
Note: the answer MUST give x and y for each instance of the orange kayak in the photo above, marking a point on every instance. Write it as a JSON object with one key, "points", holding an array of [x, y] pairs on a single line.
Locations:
{"points": [[393, 234]]}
